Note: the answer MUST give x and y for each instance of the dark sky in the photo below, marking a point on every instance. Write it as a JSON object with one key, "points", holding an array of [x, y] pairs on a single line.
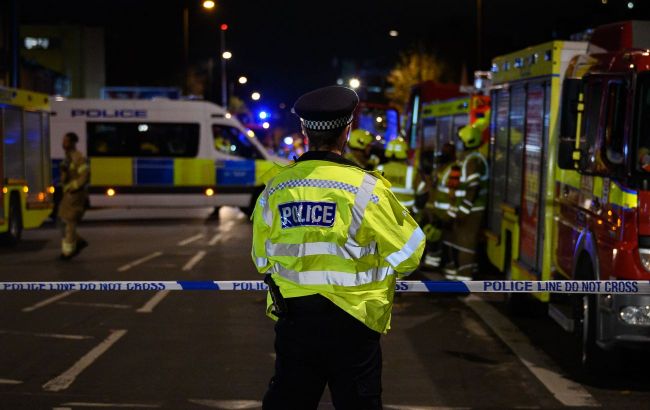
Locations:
{"points": [[288, 47]]}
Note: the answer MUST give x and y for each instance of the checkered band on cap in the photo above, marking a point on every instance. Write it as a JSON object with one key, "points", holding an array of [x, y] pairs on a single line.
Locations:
{"points": [[326, 125]]}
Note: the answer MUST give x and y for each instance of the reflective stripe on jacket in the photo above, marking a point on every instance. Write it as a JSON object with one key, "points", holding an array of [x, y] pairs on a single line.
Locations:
{"points": [[322, 226], [473, 184]]}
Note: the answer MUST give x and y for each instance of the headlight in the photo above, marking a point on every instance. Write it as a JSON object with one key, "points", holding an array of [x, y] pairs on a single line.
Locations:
{"points": [[636, 315], [644, 255]]}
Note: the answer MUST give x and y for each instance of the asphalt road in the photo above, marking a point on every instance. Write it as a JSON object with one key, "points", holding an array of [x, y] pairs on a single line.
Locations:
{"points": [[201, 349]]}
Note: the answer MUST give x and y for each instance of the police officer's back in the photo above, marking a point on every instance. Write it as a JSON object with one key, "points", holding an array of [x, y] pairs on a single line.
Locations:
{"points": [[334, 238]]}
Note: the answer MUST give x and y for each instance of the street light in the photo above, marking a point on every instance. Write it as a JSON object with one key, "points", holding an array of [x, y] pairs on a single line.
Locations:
{"points": [[393, 33], [256, 96], [355, 83], [242, 80], [227, 55], [224, 91], [208, 4]]}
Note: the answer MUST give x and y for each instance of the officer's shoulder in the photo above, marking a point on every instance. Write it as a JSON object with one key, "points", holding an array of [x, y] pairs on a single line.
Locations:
{"points": [[77, 156]]}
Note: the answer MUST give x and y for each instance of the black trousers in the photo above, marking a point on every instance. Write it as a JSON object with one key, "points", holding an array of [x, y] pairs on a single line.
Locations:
{"points": [[319, 344]]}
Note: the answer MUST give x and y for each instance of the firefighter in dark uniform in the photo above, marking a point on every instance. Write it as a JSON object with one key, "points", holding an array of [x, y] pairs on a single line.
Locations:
{"points": [[75, 175], [468, 207]]}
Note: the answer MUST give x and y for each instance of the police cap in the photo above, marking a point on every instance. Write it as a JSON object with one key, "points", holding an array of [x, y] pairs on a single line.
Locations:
{"points": [[326, 108]]}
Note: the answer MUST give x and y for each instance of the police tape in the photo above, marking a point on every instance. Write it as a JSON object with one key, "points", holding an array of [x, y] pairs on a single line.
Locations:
{"points": [[424, 286]]}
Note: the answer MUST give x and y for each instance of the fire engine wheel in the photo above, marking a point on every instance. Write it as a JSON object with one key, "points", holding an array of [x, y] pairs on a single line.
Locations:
{"points": [[15, 223], [591, 356]]}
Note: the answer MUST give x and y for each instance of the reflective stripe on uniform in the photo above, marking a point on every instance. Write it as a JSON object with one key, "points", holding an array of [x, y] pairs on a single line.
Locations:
{"points": [[460, 248], [409, 178], [321, 183], [326, 277], [407, 250], [406, 204], [364, 195], [441, 205], [261, 262], [298, 250], [460, 193], [443, 189], [406, 191]]}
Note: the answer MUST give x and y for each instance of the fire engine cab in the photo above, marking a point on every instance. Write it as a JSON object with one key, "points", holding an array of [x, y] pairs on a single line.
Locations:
{"points": [[569, 195]]}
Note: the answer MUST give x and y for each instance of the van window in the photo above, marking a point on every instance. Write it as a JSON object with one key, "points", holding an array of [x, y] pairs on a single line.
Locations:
{"points": [[231, 141], [13, 143], [142, 139]]}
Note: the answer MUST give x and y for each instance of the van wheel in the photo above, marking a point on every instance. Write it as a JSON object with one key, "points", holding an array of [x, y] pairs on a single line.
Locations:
{"points": [[591, 357], [14, 224]]}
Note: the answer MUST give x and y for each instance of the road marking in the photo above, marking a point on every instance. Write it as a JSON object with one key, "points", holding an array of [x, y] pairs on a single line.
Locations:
{"points": [[65, 379], [195, 259], [137, 262], [127, 405], [228, 404], [9, 381], [567, 392], [49, 301], [102, 305], [190, 239], [50, 335], [216, 238], [153, 302]]}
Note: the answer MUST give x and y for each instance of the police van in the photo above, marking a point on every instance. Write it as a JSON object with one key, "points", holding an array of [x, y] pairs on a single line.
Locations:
{"points": [[162, 153]]}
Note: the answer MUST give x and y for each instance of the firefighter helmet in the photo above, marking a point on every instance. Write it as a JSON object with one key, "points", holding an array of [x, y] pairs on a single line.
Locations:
{"points": [[396, 149], [470, 135], [359, 139]]}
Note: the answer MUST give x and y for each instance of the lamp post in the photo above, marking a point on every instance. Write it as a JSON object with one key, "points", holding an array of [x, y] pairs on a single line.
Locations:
{"points": [[208, 5], [225, 55]]}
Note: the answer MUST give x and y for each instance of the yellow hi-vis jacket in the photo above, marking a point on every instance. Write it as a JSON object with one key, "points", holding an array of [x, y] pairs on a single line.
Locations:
{"points": [[400, 175], [325, 226]]}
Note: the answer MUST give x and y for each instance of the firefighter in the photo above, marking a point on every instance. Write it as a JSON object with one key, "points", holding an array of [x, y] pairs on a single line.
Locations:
{"points": [[331, 238], [468, 206], [398, 172], [440, 209], [74, 180], [359, 147]]}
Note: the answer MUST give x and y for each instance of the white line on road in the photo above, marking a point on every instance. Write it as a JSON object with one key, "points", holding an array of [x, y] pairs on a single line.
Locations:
{"points": [[153, 302], [50, 335], [195, 259], [127, 405], [228, 404], [9, 381], [102, 305], [190, 239], [137, 262], [568, 392], [48, 301], [216, 238], [65, 379]]}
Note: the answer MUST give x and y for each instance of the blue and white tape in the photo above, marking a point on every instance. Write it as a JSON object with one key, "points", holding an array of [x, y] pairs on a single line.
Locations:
{"points": [[425, 286]]}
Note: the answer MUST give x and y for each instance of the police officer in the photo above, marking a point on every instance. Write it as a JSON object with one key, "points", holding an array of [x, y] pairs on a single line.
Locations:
{"points": [[74, 180], [398, 172], [468, 206], [333, 238], [359, 147]]}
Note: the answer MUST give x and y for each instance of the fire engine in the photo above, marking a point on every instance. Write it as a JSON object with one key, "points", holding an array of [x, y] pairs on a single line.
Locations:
{"points": [[25, 194], [570, 161], [439, 117]]}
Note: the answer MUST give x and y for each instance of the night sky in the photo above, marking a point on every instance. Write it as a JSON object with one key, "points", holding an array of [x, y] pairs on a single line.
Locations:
{"points": [[288, 47]]}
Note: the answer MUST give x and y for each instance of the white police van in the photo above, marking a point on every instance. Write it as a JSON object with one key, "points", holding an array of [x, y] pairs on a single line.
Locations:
{"points": [[162, 153]]}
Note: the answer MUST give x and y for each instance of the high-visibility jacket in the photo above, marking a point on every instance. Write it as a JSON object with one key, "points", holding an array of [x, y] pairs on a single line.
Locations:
{"points": [[400, 175], [324, 226], [471, 195], [447, 181]]}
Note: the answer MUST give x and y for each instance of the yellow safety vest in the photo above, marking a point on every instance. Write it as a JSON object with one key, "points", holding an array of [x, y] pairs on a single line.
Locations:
{"points": [[400, 175], [324, 226]]}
